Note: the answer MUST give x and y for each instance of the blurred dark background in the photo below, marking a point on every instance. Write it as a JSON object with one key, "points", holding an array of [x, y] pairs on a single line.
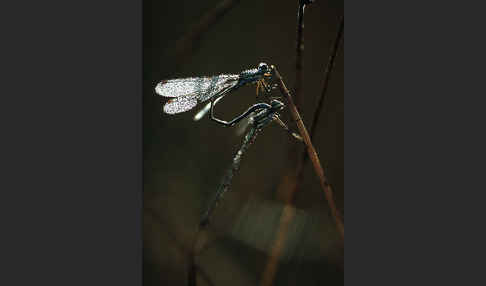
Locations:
{"points": [[184, 160]]}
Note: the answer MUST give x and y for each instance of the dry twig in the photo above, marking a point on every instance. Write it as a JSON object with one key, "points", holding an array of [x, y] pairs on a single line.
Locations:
{"points": [[311, 152], [299, 63], [291, 184]]}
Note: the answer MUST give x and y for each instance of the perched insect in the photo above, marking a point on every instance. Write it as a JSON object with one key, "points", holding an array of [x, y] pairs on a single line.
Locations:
{"points": [[186, 93], [262, 115]]}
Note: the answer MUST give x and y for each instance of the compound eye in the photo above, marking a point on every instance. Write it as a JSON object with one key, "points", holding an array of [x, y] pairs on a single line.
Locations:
{"points": [[263, 67]]}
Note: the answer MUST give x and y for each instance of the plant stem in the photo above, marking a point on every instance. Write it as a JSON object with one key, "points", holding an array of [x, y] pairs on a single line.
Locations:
{"points": [[311, 151]]}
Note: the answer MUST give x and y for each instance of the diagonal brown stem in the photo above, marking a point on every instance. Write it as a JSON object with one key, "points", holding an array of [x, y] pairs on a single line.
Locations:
{"points": [[299, 62], [319, 107], [289, 184], [311, 152]]}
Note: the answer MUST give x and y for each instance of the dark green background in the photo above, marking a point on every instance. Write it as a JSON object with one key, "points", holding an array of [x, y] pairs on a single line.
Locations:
{"points": [[185, 160]]}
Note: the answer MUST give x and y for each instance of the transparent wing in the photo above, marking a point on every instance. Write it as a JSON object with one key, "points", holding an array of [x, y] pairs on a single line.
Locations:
{"points": [[202, 88], [218, 85], [180, 104], [178, 87]]}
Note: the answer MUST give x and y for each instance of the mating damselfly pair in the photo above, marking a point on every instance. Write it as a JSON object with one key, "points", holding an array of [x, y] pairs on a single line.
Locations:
{"points": [[186, 93]]}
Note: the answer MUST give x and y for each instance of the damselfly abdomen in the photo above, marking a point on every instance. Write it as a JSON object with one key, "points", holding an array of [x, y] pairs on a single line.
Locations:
{"points": [[186, 93]]}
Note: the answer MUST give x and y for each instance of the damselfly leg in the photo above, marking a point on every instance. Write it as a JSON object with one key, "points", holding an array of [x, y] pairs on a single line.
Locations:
{"points": [[263, 86]]}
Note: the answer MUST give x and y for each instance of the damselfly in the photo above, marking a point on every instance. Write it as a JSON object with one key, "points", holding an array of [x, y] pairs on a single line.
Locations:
{"points": [[262, 115], [186, 93]]}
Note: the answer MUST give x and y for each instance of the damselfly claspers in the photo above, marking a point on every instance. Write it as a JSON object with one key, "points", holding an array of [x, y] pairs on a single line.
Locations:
{"points": [[186, 93]]}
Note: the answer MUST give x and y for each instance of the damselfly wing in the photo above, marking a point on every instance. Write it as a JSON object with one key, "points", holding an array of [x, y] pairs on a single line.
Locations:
{"points": [[186, 93]]}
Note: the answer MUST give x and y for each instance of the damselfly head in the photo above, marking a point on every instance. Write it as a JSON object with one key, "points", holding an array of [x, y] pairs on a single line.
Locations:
{"points": [[264, 69], [277, 104]]}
